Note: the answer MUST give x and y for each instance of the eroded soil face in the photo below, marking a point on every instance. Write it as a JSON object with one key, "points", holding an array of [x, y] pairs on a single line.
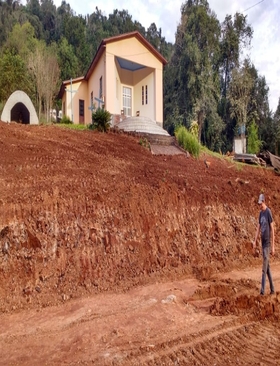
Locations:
{"points": [[110, 255]]}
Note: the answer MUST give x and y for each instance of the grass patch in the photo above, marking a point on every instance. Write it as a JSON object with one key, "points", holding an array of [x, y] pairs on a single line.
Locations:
{"points": [[72, 126], [217, 155]]}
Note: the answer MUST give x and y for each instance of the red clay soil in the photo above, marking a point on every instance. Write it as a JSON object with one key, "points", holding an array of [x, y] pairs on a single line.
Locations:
{"points": [[110, 255]]}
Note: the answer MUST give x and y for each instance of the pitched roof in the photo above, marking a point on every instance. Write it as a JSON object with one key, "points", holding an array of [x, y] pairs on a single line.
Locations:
{"points": [[102, 48], [121, 37]]}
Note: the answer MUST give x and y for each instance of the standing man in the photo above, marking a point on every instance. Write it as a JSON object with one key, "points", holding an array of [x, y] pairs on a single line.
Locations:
{"points": [[266, 228]]}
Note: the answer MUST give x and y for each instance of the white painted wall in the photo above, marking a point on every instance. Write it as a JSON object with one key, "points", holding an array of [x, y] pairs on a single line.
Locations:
{"points": [[239, 145]]}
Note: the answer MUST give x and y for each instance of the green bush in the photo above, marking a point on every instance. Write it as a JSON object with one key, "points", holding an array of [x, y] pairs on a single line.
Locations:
{"points": [[144, 142], [187, 141], [101, 120], [254, 144], [65, 120]]}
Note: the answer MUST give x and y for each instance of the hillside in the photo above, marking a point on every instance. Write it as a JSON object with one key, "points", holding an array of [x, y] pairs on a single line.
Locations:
{"points": [[93, 227]]}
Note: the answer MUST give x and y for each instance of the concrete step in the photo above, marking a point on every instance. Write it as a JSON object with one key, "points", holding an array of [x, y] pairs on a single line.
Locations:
{"points": [[160, 139]]}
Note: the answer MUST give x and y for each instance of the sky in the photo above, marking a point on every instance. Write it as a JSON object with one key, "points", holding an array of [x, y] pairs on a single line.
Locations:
{"points": [[262, 15]]}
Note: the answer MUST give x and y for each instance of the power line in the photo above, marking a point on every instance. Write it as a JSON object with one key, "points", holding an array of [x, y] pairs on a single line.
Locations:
{"points": [[253, 5]]}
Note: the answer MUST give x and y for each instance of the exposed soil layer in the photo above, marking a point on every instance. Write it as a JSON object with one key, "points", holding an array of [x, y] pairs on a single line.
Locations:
{"points": [[110, 255]]}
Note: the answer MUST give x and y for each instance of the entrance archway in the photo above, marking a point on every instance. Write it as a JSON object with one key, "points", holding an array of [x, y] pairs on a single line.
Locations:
{"points": [[19, 108], [20, 114]]}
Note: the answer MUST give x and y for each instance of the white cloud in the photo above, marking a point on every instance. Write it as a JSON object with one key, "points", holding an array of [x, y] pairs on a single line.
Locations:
{"points": [[264, 52]]}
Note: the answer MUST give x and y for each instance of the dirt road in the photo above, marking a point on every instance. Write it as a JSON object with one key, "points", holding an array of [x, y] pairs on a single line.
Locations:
{"points": [[171, 323]]}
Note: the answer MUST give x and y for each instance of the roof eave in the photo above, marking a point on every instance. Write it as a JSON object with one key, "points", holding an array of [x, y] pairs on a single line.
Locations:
{"points": [[95, 60], [119, 37], [141, 39], [68, 82]]}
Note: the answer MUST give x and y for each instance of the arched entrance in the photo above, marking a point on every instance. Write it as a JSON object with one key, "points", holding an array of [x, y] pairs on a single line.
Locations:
{"points": [[20, 114], [19, 108]]}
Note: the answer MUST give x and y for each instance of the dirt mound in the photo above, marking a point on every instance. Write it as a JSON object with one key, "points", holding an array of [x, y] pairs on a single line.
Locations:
{"points": [[86, 213], [236, 297]]}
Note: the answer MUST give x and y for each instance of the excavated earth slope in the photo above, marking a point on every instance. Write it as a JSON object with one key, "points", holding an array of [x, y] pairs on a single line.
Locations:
{"points": [[110, 255]]}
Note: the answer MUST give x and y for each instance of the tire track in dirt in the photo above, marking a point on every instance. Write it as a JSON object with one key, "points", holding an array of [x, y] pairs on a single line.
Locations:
{"points": [[251, 337], [253, 343]]}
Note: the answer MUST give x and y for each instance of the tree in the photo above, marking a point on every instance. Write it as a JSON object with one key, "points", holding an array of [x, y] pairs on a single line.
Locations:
{"points": [[212, 132], [33, 14], [52, 72], [45, 70], [119, 22], [48, 19], [74, 30], [8, 9], [67, 60], [33, 7], [14, 75], [239, 95], [259, 111], [195, 63], [14, 71], [95, 30], [276, 124], [36, 67], [254, 144], [154, 36], [236, 35], [63, 12], [21, 40]]}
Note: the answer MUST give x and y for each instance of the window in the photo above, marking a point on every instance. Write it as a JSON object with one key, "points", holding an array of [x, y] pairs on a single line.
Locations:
{"points": [[91, 100], [146, 94], [81, 107], [81, 111], [127, 101], [100, 88]]}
